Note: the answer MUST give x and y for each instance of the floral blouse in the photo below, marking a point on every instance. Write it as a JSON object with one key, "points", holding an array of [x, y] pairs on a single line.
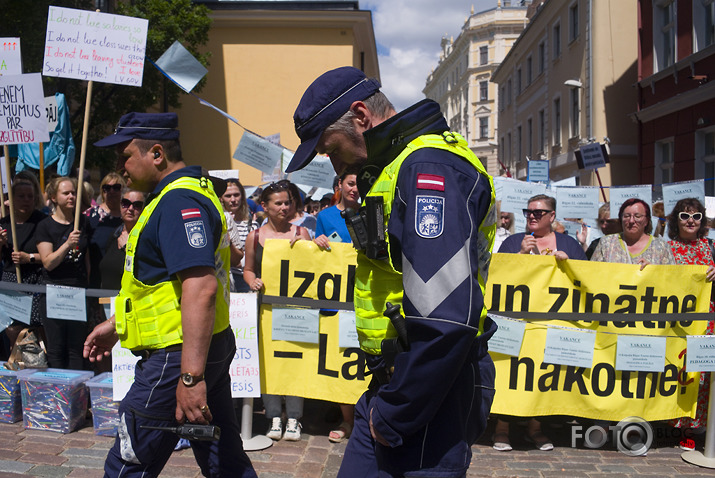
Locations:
{"points": [[611, 248]]}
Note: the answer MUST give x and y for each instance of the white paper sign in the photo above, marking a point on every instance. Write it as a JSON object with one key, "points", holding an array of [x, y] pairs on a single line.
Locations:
{"points": [[245, 368], [123, 364], [348, 336], [257, 152], [538, 171], [508, 337], [224, 173], [577, 202], [638, 353], [5, 320], [674, 192], [619, 195], [516, 194], [17, 305], [296, 325], [22, 109], [701, 353], [66, 303], [185, 70], [88, 45], [319, 172], [592, 156], [3, 172], [52, 113], [569, 347], [10, 58]]}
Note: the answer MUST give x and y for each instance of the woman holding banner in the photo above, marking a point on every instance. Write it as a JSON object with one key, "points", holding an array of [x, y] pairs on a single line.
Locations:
{"points": [[277, 203], [687, 229], [63, 252], [27, 200]]}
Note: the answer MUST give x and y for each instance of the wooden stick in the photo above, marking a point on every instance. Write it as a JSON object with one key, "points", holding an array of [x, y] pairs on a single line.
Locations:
{"points": [[603, 193], [82, 154], [6, 153], [13, 229]]}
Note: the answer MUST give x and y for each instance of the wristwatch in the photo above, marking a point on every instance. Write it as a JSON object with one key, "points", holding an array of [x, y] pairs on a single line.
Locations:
{"points": [[32, 258], [190, 380]]}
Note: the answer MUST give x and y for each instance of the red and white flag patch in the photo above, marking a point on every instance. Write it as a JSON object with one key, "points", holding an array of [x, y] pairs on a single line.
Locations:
{"points": [[187, 214], [430, 181]]}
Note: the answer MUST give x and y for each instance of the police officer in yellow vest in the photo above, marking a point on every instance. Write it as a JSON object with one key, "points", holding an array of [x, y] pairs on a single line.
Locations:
{"points": [[172, 310], [428, 226]]}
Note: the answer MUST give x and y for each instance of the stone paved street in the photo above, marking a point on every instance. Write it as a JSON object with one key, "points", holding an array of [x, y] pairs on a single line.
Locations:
{"points": [[81, 454]]}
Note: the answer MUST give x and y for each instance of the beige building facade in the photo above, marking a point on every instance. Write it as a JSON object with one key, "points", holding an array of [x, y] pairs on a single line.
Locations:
{"points": [[262, 61], [568, 81], [460, 82]]}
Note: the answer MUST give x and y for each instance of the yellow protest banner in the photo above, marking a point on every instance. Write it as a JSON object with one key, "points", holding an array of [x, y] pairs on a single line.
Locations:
{"points": [[320, 370], [527, 386]]}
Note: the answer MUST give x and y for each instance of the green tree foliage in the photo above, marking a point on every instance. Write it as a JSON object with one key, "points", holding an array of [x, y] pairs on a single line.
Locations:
{"points": [[169, 20]]}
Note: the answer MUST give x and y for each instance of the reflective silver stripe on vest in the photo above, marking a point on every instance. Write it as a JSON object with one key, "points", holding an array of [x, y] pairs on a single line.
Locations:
{"points": [[427, 296]]}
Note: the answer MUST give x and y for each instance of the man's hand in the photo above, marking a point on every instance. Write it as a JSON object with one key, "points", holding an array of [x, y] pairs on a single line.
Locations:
{"points": [[376, 434], [99, 343], [191, 404]]}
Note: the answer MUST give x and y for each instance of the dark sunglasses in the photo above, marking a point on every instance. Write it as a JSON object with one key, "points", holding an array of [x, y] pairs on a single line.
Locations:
{"points": [[111, 187], [537, 213], [696, 216], [138, 205]]}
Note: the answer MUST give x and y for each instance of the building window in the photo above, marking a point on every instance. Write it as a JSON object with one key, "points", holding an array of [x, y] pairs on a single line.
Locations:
{"points": [[529, 70], [703, 24], [502, 96], [542, 131], [542, 57], [508, 146], [508, 91], [705, 158], [529, 138], [556, 40], [483, 90], [663, 162], [484, 128], [483, 55], [575, 112], [573, 22], [664, 33], [519, 149], [557, 121], [518, 81]]}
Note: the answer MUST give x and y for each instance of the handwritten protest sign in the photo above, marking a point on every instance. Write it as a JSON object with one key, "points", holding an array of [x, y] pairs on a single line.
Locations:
{"points": [[94, 46], [22, 109], [10, 59]]}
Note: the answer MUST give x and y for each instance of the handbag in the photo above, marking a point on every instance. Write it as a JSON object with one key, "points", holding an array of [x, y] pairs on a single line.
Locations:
{"points": [[28, 352]]}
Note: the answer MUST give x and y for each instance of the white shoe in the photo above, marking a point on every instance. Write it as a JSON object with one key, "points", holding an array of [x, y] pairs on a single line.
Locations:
{"points": [[276, 430], [292, 430]]}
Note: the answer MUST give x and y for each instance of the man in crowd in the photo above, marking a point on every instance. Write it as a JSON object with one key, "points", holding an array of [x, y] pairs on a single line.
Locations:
{"points": [[172, 310], [433, 382]]}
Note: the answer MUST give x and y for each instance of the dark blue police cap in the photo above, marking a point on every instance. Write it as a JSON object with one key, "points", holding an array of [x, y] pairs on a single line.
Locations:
{"points": [[156, 126], [323, 103]]}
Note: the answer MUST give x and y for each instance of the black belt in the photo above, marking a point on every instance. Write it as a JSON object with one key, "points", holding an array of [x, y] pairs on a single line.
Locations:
{"points": [[146, 353]]}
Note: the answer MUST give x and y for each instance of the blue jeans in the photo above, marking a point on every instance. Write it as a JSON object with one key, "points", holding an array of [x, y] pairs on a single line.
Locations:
{"points": [[152, 401], [443, 447]]}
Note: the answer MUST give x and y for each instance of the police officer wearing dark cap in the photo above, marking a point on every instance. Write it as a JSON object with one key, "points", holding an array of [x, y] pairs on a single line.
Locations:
{"points": [[427, 231], [172, 310]]}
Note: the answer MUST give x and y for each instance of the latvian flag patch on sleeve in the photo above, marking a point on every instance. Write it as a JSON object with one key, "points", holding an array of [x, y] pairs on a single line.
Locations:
{"points": [[430, 181], [187, 214]]}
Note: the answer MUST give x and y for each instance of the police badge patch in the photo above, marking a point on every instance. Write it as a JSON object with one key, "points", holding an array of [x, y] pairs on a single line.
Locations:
{"points": [[429, 216], [196, 233]]}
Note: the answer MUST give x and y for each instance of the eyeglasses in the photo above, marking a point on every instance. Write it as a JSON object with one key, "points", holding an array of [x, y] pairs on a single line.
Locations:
{"points": [[138, 205], [696, 216], [111, 187], [537, 213], [635, 217]]}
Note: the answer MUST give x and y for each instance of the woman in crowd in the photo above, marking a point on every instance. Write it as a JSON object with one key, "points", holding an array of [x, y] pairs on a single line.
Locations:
{"points": [[687, 228], [539, 239], [104, 219], [331, 228], [27, 201], [111, 267], [235, 203], [505, 226], [63, 252], [299, 216], [606, 225], [634, 245], [277, 203]]}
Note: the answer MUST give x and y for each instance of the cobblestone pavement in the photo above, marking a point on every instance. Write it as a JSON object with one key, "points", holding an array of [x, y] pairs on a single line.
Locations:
{"points": [[81, 454]]}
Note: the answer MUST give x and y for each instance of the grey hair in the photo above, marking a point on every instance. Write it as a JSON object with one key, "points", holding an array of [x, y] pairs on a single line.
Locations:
{"points": [[377, 103]]}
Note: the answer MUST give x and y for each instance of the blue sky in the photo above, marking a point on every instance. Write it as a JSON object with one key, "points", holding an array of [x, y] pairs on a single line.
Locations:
{"points": [[408, 35]]}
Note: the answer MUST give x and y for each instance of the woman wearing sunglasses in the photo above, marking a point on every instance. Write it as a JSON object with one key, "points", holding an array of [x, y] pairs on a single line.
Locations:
{"points": [[111, 267], [687, 228], [104, 219]]}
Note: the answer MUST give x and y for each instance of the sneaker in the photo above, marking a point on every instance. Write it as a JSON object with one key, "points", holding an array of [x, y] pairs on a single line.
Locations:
{"points": [[687, 444], [292, 430], [182, 444], [276, 430]]}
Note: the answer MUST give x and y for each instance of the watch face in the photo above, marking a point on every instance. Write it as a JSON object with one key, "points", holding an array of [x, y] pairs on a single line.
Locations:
{"points": [[187, 378]]}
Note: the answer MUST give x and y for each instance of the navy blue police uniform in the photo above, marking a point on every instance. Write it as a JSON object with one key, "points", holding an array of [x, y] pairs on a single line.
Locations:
{"points": [[167, 246]]}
